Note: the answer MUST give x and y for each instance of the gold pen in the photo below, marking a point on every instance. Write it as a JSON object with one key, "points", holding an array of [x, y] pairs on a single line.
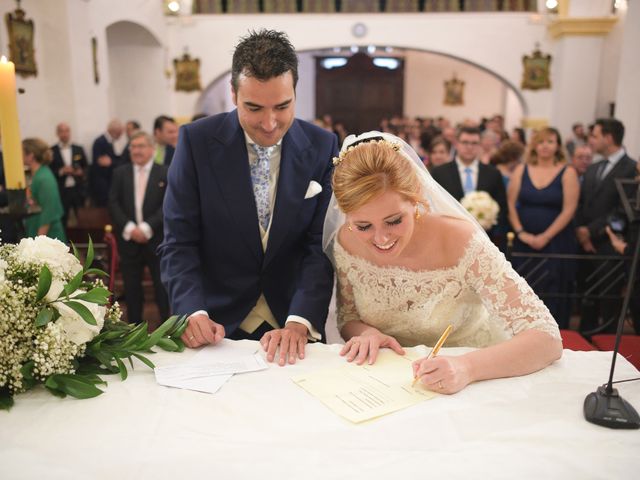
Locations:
{"points": [[434, 351]]}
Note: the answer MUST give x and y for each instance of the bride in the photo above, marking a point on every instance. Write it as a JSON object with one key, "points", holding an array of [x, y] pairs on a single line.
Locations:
{"points": [[410, 261]]}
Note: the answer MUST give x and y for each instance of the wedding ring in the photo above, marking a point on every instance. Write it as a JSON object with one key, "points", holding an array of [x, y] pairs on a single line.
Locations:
{"points": [[440, 386], [191, 337]]}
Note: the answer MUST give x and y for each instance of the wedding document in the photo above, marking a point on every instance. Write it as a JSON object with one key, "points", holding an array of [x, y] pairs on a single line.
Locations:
{"points": [[210, 368], [361, 393]]}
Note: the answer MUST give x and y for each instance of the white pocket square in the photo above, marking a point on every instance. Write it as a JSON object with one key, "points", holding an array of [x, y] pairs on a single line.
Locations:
{"points": [[314, 189]]}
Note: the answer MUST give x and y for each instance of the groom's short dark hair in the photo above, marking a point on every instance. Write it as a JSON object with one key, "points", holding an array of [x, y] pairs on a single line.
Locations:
{"points": [[264, 55]]}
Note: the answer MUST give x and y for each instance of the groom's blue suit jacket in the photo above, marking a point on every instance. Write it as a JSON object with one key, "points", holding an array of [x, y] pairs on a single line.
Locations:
{"points": [[212, 257]]}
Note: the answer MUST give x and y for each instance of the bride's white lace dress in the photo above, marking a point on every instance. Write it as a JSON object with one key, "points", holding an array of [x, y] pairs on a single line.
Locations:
{"points": [[484, 299]]}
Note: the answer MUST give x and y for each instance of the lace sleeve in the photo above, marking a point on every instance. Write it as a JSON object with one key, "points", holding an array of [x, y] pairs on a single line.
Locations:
{"points": [[345, 302], [504, 293]]}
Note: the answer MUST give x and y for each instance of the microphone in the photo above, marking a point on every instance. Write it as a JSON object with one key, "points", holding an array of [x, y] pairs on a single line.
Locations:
{"points": [[605, 406]]}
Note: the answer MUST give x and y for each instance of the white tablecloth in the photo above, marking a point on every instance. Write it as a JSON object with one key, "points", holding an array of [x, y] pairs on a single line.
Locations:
{"points": [[262, 426]]}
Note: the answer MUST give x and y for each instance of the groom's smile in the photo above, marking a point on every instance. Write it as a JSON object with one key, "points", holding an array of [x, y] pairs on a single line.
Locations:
{"points": [[266, 109]]}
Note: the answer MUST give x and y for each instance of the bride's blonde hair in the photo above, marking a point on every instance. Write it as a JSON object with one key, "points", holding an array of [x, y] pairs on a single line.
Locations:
{"points": [[369, 169]]}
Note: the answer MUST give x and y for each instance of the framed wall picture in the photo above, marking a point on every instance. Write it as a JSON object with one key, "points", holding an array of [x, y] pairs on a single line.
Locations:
{"points": [[537, 73], [454, 91], [21, 48], [187, 73]]}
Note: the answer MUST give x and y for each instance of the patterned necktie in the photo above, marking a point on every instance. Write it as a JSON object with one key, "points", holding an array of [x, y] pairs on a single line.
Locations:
{"points": [[468, 181], [260, 181]]}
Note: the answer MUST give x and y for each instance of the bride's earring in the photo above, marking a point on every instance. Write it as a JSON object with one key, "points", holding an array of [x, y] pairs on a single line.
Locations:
{"points": [[418, 210], [349, 227]]}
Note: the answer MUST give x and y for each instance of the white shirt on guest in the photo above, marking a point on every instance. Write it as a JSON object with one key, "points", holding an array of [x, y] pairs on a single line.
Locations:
{"points": [[139, 202], [67, 160], [474, 166]]}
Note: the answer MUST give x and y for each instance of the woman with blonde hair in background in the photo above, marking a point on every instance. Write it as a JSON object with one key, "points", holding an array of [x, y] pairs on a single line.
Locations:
{"points": [[543, 196], [44, 191], [410, 260]]}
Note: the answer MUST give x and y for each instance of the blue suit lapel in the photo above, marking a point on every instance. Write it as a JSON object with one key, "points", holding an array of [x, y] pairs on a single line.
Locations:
{"points": [[295, 174], [231, 167]]}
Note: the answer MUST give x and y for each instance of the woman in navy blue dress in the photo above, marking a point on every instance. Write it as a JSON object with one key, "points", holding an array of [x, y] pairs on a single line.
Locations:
{"points": [[543, 196]]}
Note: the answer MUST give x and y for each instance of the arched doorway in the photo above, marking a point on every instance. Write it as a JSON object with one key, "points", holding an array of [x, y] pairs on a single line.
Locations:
{"points": [[136, 73]]}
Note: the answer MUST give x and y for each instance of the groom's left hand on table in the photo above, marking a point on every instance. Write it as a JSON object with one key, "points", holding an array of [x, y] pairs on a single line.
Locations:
{"points": [[290, 342]]}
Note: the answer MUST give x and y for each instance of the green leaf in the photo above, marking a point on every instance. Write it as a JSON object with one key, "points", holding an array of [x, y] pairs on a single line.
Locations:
{"points": [[44, 282], [160, 332], [144, 360], [44, 316], [81, 310], [136, 339], [96, 271], [122, 369], [27, 369], [73, 285], [168, 344], [6, 399], [75, 251], [77, 386], [89, 260], [98, 295]]}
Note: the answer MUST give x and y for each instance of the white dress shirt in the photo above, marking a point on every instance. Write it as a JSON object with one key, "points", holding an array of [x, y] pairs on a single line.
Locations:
{"points": [[474, 171], [139, 202], [67, 160]]}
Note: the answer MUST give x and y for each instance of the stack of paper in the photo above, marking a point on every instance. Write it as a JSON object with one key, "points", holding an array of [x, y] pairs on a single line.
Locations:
{"points": [[211, 367]]}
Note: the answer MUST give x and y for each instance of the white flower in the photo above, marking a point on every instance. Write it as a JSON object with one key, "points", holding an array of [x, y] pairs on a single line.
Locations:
{"points": [[483, 208], [51, 252], [3, 267], [75, 328], [54, 290]]}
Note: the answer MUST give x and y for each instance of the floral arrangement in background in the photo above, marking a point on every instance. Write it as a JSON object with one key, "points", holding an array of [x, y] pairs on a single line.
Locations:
{"points": [[57, 327], [483, 208]]}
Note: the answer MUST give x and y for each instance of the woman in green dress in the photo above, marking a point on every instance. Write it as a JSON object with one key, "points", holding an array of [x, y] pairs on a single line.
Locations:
{"points": [[44, 191]]}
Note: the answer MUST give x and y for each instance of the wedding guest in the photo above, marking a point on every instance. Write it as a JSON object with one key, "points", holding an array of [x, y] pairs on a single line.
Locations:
{"points": [[599, 198], [106, 156], [131, 127], [44, 191], [135, 206], [582, 158], [165, 133], [468, 174], [439, 152], [70, 166], [580, 138], [543, 197], [507, 158], [519, 136], [410, 261], [243, 212]]}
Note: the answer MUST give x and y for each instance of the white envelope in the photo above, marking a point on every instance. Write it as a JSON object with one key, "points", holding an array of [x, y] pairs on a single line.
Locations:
{"points": [[314, 189]]}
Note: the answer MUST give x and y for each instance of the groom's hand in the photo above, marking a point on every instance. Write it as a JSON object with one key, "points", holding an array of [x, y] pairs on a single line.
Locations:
{"points": [[290, 340], [201, 330]]}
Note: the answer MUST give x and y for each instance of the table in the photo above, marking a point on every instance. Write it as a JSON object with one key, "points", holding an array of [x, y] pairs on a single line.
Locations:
{"points": [[262, 426]]}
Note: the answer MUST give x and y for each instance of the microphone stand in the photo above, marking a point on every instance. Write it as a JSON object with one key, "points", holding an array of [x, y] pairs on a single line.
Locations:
{"points": [[605, 406]]}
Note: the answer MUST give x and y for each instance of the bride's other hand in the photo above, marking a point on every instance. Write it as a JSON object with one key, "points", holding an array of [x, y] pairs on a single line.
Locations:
{"points": [[443, 374], [361, 347]]}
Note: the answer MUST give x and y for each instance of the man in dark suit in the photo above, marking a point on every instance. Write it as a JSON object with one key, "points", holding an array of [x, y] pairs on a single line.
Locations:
{"points": [[599, 198], [467, 174], [244, 212], [165, 132], [105, 159], [135, 205], [69, 165]]}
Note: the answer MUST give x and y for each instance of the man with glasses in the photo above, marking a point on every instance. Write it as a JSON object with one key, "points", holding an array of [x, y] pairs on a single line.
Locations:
{"points": [[467, 174]]}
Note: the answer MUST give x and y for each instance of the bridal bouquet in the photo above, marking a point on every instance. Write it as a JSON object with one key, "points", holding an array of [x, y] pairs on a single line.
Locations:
{"points": [[56, 327], [483, 208]]}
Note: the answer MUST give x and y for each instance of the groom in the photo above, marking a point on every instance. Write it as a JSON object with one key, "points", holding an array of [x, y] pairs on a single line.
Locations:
{"points": [[244, 210]]}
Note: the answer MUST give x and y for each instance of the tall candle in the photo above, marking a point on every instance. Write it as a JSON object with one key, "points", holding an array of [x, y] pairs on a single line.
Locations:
{"points": [[11, 144]]}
